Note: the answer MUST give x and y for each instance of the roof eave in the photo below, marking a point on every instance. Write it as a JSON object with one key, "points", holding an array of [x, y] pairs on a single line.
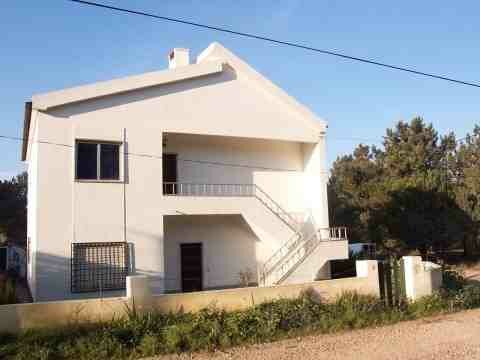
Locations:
{"points": [[26, 129], [113, 87]]}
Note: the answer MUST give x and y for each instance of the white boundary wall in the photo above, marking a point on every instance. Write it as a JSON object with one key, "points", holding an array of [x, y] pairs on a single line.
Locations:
{"points": [[18, 317]]}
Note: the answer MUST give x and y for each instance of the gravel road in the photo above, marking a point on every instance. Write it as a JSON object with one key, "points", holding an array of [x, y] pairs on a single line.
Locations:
{"points": [[455, 336]]}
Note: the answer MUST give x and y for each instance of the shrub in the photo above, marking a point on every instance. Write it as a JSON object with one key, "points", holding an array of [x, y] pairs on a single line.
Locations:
{"points": [[8, 291], [428, 305], [453, 280], [467, 297]]}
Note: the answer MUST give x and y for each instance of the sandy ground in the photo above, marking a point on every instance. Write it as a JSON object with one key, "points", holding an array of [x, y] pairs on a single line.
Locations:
{"points": [[455, 336], [472, 273]]}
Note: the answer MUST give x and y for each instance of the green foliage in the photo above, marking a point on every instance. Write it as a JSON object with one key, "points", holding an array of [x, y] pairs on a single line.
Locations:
{"points": [[8, 291], [428, 305], [13, 207], [467, 298], [151, 334], [419, 193], [466, 172], [453, 280]]}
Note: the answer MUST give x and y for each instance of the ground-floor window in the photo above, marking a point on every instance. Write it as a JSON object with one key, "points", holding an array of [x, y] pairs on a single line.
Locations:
{"points": [[99, 266]]}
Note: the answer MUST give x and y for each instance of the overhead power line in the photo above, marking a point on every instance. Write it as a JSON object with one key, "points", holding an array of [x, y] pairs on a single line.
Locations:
{"points": [[159, 157], [352, 139], [279, 42], [198, 161]]}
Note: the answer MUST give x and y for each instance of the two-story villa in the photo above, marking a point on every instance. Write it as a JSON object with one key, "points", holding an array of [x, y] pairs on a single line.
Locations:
{"points": [[202, 176]]}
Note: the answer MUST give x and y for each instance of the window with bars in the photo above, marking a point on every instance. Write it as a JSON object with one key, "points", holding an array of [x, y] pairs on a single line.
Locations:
{"points": [[99, 266]]}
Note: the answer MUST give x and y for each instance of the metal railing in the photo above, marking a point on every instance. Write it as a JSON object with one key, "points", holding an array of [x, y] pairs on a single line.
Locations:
{"points": [[274, 260], [294, 251], [230, 190], [196, 189], [338, 233]]}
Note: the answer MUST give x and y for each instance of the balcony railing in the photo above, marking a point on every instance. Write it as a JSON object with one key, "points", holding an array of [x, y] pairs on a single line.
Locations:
{"points": [[337, 233], [195, 189], [230, 190]]}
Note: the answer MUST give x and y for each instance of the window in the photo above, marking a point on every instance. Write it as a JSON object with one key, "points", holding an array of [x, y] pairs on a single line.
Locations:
{"points": [[99, 266], [98, 161]]}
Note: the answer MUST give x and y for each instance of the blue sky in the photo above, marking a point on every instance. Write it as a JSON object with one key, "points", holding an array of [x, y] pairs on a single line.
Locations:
{"points": [[53, 44]]}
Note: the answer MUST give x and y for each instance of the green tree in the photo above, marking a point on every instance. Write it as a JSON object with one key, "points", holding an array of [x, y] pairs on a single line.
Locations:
{"points": [[354, 192], [398, 196], [465, 175], [13, 207]]}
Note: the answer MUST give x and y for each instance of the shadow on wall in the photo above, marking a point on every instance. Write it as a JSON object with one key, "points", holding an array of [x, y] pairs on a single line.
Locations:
{"points": [[144, 94], [228, 249], [53, 280]]}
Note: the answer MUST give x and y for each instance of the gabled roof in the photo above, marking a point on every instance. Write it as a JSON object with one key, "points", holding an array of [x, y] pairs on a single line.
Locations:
{"points": [[215, 52], [211, 61]]}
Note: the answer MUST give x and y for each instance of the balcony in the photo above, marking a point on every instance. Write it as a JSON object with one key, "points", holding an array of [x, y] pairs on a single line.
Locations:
{"points": [[231, 190]]}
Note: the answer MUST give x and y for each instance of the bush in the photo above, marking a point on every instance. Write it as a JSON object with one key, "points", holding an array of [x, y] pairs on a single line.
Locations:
{"points": [[428, 305], [8, 291], [453, 280], [138, 335], [467, 298]]}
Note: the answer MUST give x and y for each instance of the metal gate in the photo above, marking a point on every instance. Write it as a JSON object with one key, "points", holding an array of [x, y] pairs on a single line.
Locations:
{"points": [[391, 275]]}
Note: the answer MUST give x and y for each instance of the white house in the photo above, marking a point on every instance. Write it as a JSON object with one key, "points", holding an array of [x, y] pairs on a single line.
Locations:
{"points": [[202, 176]]}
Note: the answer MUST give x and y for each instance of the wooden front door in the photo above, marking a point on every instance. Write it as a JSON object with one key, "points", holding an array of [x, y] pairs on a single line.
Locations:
{"points": [[191, 263]]}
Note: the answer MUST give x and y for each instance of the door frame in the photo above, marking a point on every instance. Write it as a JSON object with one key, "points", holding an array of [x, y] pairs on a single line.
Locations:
{"points": [[165, 189], [176, 163], [202, 263]]}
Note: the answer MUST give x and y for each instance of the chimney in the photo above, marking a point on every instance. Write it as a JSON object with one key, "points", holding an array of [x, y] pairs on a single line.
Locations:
{"points": [[178, 57]]}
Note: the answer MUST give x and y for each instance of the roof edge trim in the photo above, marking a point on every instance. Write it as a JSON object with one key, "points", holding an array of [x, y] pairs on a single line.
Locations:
{"points": [[26, 129], [136, 82]]}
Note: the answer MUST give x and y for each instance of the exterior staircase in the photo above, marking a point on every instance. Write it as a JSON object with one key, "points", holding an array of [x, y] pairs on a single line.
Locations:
{"points": [[304, 236], [295, 251]]}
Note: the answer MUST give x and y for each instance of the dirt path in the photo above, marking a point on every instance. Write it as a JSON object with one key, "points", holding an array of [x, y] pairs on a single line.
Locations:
{"points": [[454, 336], [472, 274]]}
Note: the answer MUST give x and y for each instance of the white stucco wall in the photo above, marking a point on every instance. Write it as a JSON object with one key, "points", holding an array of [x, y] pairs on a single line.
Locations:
{"points": [[422, 278], [317, 266], [228, 245], [276, 166], [32, 208]]}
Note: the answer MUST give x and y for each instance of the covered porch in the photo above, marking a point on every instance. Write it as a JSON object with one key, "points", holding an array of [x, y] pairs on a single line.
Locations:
{"points": [[203, 252]]}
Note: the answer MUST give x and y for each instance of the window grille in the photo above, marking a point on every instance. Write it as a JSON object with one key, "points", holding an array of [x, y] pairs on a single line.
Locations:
{"points": [[99, 266]]}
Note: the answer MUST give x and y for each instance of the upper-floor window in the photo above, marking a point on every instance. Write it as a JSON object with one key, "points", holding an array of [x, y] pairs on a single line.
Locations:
{"points": [[97, 161]]}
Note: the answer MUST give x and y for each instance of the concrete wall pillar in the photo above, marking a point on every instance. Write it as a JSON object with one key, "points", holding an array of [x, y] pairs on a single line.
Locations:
{"points": [[369, 269], [422, 278], [316, 177], [138, 286], [139, 292]]}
